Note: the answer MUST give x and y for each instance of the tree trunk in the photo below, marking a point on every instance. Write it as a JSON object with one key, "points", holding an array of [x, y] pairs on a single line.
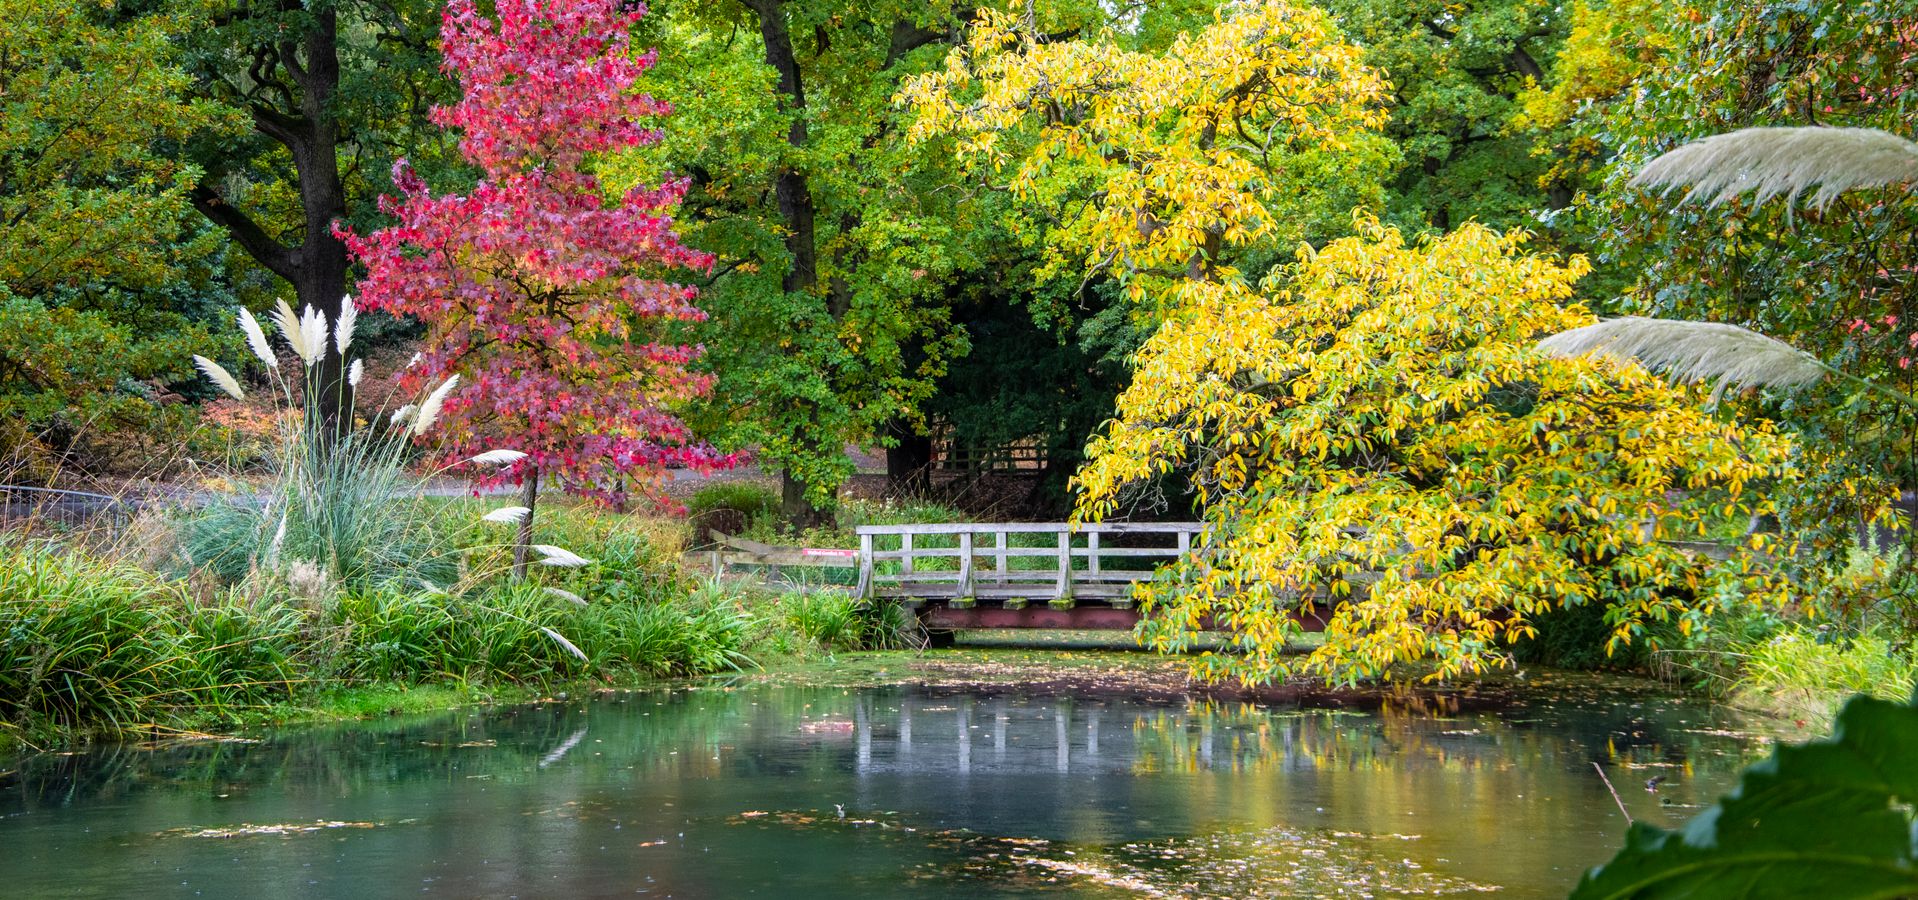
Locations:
{"points": [[523, 544], [308, 127], [796, 508], [908, 461], [794, 195]]}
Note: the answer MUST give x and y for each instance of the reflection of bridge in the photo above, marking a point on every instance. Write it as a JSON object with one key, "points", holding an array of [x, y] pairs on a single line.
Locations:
{"points": [[1020, 575], [965, 735]]}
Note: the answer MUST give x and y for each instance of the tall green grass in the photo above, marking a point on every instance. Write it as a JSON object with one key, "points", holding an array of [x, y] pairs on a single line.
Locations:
{"points": [[89, 645], [1823, 665], [352, 513]]}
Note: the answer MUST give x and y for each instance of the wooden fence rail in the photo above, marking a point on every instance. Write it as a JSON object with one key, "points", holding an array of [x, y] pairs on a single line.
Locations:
{"points": [[1015, 563]]}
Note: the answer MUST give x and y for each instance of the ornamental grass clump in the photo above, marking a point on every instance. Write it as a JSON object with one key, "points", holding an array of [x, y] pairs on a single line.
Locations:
{"points": [[344, 509], [342, 504]]}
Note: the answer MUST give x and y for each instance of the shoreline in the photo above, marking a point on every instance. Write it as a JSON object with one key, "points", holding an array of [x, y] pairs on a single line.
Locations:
{"points": [[982, 670]]}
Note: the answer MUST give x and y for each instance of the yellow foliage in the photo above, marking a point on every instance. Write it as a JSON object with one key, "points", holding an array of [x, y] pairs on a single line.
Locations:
{"points": [[1374, 432], [1152, 165]]}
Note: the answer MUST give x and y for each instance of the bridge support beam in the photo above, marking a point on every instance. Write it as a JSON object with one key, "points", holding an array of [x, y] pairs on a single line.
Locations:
{"points": [[1084, 617]]}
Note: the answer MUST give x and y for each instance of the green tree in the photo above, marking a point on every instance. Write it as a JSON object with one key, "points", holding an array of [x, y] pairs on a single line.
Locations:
{"points": [[1459, 72], [332, 91], [839, 245], [100, 248]]}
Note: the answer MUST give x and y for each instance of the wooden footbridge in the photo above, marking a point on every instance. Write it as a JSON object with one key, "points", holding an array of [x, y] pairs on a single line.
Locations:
{"points": [[996, 575]]}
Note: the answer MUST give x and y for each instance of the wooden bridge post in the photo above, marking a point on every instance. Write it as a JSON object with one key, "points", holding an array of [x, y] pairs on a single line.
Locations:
{"points": [[962, 598], [864, 590], [1062, 596], [1001, 576]]}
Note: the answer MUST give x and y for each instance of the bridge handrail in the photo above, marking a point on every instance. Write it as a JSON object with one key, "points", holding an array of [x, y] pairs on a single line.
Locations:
{"points": [[1034, 528], [962, 585]]}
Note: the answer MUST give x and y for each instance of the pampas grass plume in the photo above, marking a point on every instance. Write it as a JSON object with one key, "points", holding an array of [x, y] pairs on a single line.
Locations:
{"points": [[1784, 161], [1694, 351], [497, 457], [313, 334], [285, 319], [220, 376], [567, 596], [343, 329], [501, 457], [430, 410], [353, 373], [256, 339], [506, 514], [562, 558], [563, 642]]}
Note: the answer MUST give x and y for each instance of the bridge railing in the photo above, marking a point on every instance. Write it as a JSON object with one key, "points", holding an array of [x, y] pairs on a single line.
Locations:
{"points": [[1016, 562]]}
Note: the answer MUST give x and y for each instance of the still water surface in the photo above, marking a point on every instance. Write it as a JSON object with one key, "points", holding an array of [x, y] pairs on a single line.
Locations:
{"points": [[776, 791]]}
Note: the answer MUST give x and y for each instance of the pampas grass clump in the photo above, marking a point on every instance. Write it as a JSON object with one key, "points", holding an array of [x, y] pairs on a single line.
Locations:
{"points": [[342, 502]]}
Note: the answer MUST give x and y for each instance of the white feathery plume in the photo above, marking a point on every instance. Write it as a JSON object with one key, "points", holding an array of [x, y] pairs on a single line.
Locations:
{"points": [[506, 514], [497, 457], [343, 329], [313, 334], [567, 596], [430, 587], [414, 361], [285, 319], [353, 373], [401, 415], [563, 642], [556, 556], [256, 339], [1694, 351], [219, 376], [1784, 161], [430, 410]]}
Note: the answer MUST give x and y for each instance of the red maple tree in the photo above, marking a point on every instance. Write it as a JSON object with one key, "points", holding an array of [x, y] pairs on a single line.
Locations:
{"points": [[543, 294]]}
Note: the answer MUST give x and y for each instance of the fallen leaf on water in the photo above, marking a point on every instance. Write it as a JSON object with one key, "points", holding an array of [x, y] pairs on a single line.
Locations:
{"points": [[252, 830]]}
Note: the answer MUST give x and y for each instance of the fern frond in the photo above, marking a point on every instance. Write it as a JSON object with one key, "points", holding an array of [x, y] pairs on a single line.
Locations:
{"points": [[1784, 161]]}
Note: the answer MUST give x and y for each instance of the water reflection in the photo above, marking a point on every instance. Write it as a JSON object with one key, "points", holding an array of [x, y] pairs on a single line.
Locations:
{"points": [[884, 792]]}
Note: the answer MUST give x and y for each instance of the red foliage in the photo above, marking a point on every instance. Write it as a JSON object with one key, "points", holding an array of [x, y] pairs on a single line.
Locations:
{"points": [[541, 293]]}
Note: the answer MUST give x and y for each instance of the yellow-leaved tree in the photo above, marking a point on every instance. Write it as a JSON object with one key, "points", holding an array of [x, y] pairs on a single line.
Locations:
{"points": [[1373, 435], [1162, 167], [1376, 440]]}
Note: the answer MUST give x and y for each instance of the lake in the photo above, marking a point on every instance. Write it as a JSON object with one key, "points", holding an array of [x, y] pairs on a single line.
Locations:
{"points": [[785, 790]]}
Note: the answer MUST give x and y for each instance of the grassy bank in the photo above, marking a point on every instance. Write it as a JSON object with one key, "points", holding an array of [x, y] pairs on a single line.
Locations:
{"points": [[103, 643]]}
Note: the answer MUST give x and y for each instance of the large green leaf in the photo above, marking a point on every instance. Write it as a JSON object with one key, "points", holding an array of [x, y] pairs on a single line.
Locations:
{"points": [[1827, 819]]}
